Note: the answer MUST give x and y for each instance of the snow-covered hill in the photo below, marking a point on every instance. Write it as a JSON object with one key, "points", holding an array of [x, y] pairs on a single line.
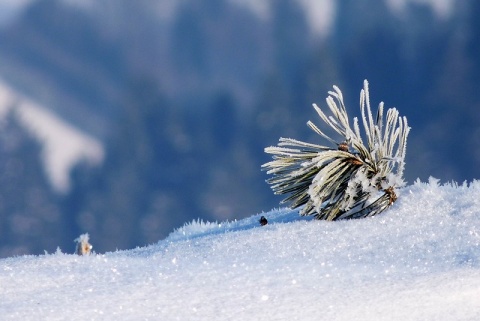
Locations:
{"points": [[319, 12], [63, 145], [420, 260]]}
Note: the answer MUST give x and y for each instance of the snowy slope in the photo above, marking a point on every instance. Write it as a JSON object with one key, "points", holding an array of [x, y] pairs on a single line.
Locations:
{"points": [[320, 13], [420, 260]]}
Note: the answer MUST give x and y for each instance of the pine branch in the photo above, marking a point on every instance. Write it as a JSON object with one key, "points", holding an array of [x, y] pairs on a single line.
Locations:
{"points": [[349, 180]]}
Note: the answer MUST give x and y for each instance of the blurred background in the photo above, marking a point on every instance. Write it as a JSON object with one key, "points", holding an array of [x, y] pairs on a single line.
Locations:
{"points": [[126, 119]]}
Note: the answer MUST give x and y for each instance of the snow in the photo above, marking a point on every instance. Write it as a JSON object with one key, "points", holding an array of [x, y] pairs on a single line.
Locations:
{"points": [[63, 144], [10, 9], [320, 14], [442, 8], [419, 260]]}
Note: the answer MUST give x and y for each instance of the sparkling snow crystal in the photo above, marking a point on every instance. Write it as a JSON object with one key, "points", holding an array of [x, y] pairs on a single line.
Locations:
{"points": [[351, 179]]}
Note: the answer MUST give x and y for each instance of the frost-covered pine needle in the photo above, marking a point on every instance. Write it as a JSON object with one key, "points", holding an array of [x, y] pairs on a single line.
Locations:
{"points": [[353, 179], [83, 246]]}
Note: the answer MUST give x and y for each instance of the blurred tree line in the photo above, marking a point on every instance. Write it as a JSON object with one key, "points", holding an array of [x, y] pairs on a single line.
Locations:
{"points": [[186, 107]]}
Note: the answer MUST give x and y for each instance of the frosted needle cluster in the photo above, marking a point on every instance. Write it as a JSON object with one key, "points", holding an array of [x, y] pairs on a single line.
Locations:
{"points": [[355, 178], [83, 246]]}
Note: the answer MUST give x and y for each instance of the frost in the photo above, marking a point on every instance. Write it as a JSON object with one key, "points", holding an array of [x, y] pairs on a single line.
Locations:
{"points": [[83, 246], [418, 261], [352, 179]]}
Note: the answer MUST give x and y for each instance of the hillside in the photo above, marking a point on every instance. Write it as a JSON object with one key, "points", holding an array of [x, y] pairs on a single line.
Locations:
{"points": [[63, 145], [420, 260], [170, 101]]}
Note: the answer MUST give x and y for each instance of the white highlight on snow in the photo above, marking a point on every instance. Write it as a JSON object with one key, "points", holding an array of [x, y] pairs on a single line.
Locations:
{"points": [[11, 9], [63, 144], [320, 15], [81, 4], [420, 260], [441, 7], [260, 7]]}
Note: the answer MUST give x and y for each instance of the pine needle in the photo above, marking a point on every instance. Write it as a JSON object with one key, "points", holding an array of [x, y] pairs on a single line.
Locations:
{"points": [[350, 179]]}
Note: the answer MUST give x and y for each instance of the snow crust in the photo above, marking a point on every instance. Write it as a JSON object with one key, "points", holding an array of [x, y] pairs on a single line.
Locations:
{"points": [[419, 260]]}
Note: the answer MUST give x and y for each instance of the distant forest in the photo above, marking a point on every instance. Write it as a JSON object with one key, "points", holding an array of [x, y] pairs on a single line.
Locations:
{"points": [[185, 106]]}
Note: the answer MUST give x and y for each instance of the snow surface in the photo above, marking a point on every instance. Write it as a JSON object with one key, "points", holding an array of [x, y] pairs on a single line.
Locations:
{"points": [[63, 145], [419, 260]]}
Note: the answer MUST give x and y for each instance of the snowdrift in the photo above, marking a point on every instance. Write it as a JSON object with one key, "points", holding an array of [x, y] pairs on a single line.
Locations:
{"points": [[420, 260]]}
